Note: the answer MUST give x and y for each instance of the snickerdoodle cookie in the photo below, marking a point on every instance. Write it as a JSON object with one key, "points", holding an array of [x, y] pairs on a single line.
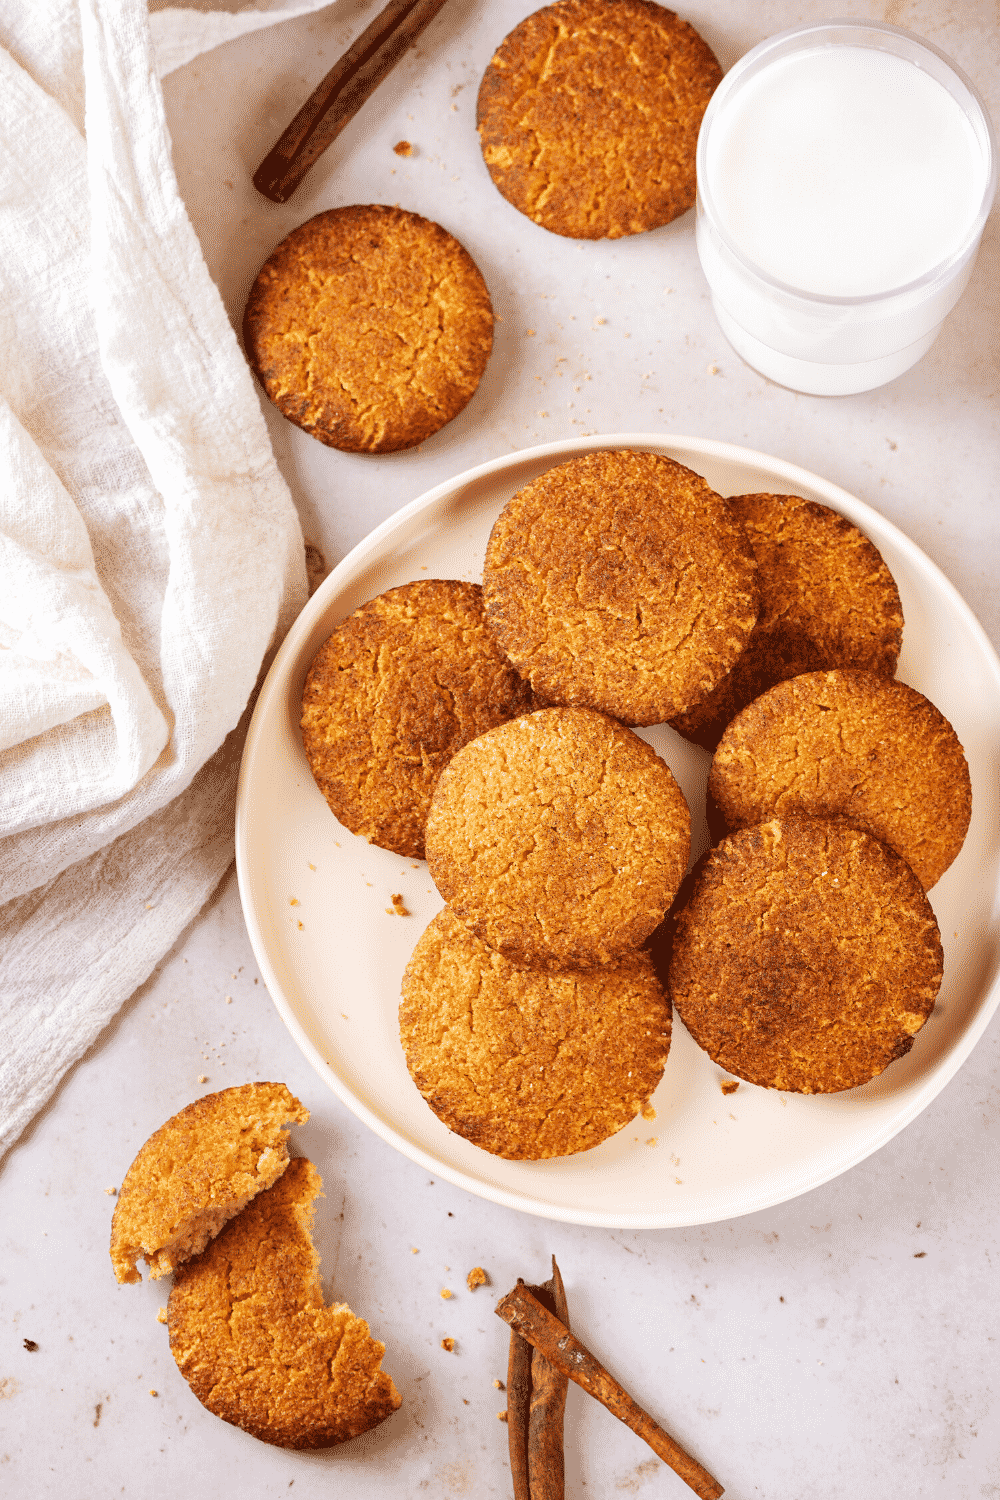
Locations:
{"points": [[398, 687], [806, 956], [826, 600], [529, 1065], [559, 838], [621, 581], [849, 745], [369, 327], [254, 1339], [197, 1171], [588, 116]]}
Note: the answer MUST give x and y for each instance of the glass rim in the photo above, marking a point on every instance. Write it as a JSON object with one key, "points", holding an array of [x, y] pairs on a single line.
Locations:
{"points": [[747, 65]]}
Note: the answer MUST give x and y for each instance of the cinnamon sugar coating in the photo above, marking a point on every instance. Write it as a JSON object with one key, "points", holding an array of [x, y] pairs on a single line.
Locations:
{"points": [[255, 1341], [849, 745], [197, 1171], [369, 327], [559, 839], [588, 116], [529, 1065], [620, 581], [399, 686], [827, 600], [805, 956]]}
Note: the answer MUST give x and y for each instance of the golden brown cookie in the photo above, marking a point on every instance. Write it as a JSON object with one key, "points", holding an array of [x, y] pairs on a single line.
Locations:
{"points": [[399, 686], [254, 1339], [523, 1064], [620, 581], [196, 1172], [806, 957], [559, 839], [849, 745], [589, 112], [826, 600], [369, 327]]}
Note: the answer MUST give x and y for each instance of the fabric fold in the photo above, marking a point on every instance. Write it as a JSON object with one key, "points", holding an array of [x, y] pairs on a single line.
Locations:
{"points": [[150, 553]]}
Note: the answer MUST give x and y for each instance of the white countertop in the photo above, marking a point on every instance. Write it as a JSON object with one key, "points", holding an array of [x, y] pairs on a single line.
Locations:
{"points": [[842, 1343]]}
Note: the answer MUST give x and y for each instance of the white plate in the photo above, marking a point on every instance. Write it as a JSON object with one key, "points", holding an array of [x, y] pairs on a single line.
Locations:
{"points": [[315, 896]]}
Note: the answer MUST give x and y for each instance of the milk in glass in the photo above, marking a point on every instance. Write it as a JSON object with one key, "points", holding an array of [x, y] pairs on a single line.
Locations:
{"points": [[841, 197]]}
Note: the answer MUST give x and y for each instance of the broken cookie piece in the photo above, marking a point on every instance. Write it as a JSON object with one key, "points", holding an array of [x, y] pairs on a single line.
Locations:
{"points": [[255, 1341], [196, 1172]]}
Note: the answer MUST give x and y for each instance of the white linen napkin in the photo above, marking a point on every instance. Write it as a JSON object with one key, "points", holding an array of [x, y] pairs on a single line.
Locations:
{"points": [[150, 554]]}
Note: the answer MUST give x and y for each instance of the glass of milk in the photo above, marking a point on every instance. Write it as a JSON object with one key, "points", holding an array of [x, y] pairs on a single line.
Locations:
{"points": [[845, 172]]}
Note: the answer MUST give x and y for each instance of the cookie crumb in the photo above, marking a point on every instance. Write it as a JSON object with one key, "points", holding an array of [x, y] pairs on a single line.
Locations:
{"points": [[649, 1113], [111, 1191], [294, 901], [654, 1140], [161, 1316], [202, 1077], [445, 1293], [501, 1416], [730, 1085], [476, 1277], [153, 1393], [403, 148], [400, 907], [498, 1385], [30, 1345], [448, 1344]]}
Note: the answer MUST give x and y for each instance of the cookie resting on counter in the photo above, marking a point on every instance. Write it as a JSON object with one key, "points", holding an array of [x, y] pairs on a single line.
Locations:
{"points": [[196, 1172], [621, 581], [827, 600], [588, 116], [369, 327], [255, 1341], [849, 745], [523, 1064], [804, 956], [399, 686], [560, 839]]}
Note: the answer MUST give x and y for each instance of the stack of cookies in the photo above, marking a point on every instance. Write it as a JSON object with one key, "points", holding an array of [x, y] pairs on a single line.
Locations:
{"points": [[620, 590], [532, 1020]]}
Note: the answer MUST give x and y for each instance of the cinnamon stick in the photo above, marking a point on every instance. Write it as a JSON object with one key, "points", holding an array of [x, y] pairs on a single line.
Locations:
{"points": [[338, 97], [526, 1315], [546, 1461], [518, 1410], [536, 1402]]}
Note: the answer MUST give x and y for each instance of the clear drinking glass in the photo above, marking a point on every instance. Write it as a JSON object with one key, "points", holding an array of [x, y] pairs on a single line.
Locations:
{"points": [[807, 339]]}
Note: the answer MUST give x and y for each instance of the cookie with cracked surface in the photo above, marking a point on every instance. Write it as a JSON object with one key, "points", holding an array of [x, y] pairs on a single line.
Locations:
{"points": [[523, 1064], [827, 600], [399, 686], [620, 581], [849, 745], [588, 116], [197, 1171], [369, 327], [806, 956], [559, 839], [255, 1341]]}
